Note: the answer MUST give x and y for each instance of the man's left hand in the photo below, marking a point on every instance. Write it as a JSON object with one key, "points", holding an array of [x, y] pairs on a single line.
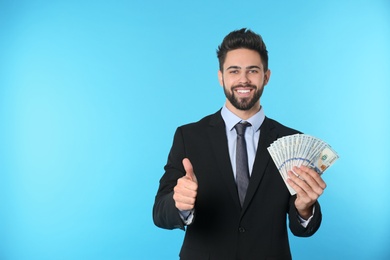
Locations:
{"points": [[309, 186]]}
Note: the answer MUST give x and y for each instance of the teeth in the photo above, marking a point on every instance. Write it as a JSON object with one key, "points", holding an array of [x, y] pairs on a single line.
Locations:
{"points": [[243, 91]]}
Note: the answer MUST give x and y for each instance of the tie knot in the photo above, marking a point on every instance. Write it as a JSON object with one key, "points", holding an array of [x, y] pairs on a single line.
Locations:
{"points": [[241, 127]]}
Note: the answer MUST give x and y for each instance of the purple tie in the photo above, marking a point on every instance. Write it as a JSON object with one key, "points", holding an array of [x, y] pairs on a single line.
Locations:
{"points": [[242, 170]]}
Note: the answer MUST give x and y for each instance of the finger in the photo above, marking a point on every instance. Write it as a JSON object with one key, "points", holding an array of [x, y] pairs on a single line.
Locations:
{"points": [[305, 184], [314, 175], [311, 177], [297, 182], [180, 198], [184, 198], [293, 185], [183, 206], [305, 195], [186, 187], [189, 169], [183, 203]]}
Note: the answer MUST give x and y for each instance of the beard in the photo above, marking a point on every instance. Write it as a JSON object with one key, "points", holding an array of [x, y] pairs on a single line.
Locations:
{"points": [[243, 103]]}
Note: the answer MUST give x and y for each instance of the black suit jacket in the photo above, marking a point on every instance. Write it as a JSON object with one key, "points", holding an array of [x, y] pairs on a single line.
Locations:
{"points": [[221, 228]]}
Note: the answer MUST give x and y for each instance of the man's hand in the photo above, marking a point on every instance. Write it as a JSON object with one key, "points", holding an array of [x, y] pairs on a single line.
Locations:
{"points": [[309, 187], [186, 188]]}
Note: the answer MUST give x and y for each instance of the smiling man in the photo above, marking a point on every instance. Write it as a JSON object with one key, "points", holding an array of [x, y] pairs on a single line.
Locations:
{"points": [[243, 78], [220, 184]]}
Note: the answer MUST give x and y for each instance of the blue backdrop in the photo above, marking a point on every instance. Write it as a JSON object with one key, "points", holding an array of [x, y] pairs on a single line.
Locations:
{"points": [[91, 93]]}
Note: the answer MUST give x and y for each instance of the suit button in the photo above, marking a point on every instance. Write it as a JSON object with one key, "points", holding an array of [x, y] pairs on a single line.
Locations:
{"points": [[241, 229]]}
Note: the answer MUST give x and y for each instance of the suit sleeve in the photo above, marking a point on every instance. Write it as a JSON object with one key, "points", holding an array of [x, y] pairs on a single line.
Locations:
{"points": [[165, 213], [295, 226]]}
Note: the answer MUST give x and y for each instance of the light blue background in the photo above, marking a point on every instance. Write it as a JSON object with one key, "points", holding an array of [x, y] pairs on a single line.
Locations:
{"points": [[91, 93]]}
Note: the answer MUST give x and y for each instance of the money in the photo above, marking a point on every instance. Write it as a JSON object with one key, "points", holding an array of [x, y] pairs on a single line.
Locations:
{"points": [[301, 149]]}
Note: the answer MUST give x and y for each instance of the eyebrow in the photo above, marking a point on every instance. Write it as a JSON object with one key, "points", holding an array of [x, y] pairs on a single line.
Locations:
{"points": [[248, 68]]}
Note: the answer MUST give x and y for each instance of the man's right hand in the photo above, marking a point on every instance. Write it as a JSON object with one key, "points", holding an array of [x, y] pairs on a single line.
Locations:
{"points": [[186, 188]]}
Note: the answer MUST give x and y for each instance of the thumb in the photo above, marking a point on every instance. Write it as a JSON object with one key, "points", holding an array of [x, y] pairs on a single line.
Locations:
{"points": [[189, 170]]}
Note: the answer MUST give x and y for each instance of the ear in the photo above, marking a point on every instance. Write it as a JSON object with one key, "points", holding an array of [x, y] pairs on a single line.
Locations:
{"points": [[267, 76], [220, 78]]}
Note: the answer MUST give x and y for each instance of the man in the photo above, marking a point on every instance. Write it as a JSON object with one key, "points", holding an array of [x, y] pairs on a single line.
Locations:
{"points": [[202, 188]]}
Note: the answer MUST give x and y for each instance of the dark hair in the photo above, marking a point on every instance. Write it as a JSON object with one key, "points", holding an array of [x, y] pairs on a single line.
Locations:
{"points": [[242, 39]]}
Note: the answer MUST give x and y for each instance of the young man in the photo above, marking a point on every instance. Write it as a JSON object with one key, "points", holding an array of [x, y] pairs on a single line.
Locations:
{"points": [[228, 214]]}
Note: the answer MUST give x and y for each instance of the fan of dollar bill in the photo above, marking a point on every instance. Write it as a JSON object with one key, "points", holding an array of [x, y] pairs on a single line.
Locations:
{"points": [[301, 149]]}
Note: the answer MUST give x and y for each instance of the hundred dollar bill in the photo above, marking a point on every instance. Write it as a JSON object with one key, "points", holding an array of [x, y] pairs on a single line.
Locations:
{"points": [[301, 149], [323, 160]]}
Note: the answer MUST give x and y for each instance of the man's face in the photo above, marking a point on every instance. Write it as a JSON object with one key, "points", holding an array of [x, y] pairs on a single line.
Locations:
{"points": [[243, 79]]}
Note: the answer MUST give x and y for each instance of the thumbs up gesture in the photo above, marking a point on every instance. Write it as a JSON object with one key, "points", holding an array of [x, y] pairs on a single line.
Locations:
{"points": [[186, 188]]}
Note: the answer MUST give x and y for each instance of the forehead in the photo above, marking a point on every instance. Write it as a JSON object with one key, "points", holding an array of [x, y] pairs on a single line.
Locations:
{"points": [[243, 58]]}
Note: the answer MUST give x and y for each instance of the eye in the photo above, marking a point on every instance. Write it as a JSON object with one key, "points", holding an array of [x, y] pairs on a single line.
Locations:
{"points": [[253, 71], [233, 71]]}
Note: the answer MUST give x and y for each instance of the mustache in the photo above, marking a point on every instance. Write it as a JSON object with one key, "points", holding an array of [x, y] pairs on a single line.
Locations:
{"points": [[244, 86]]}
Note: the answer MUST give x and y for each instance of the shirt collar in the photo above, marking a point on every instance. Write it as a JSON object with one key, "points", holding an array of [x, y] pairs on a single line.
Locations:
{"points": [[231, 119]]}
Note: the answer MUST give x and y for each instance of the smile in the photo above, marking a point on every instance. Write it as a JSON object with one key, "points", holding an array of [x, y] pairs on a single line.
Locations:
{"points": [[243, 91]]}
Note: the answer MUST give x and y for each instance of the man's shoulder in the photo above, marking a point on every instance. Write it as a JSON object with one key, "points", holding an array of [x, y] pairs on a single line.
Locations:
{"points": [[280, 128], [208, 120]]}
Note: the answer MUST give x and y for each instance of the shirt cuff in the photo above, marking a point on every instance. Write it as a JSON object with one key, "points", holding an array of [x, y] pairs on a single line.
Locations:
{"points": [[305, 222], [187, 216]]}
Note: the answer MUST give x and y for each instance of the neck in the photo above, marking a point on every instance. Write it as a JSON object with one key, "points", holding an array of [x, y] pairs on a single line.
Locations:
{"points": [[244, 114]]}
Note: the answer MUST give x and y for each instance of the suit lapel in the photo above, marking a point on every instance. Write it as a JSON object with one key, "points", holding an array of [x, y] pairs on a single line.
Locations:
{"points": [[267, 136], [217, 133]]}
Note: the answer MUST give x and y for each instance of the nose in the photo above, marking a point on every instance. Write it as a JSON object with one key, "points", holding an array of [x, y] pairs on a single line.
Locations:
{"points": [[244, 79]]}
